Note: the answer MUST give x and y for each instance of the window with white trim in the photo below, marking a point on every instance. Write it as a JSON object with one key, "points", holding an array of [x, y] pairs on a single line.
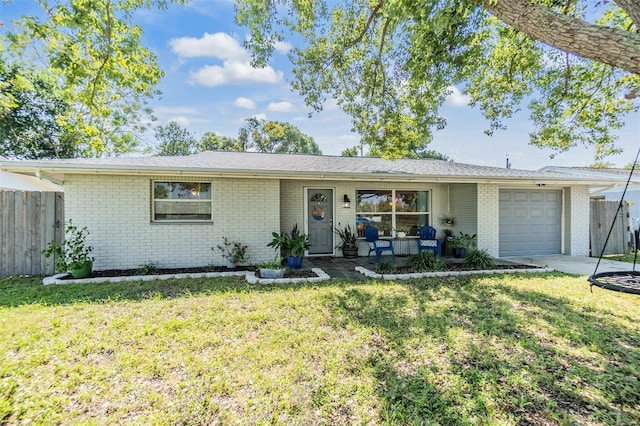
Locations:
{"points": [[181, 201], [392, 210]]}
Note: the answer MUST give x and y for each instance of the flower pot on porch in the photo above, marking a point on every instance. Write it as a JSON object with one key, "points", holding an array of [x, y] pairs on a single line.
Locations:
{"points": [[447, 247], [294, 262], [350, 253], [460, 252]]}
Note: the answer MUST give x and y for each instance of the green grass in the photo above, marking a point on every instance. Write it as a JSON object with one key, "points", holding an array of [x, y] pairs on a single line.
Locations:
{"points": [[627, 257], [474, 350]]}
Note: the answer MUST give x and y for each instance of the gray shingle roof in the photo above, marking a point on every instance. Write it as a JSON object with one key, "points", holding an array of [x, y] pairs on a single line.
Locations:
{"points": [[286, 165]]}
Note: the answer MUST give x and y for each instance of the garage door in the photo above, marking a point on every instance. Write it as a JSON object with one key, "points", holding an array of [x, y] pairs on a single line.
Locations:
{"points": [[530, 222]]}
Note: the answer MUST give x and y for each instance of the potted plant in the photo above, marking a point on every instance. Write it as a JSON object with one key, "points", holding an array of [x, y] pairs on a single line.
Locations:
{"points": [[291, 245], [233, 252], [401, 233], [272, 269], [349, 244], [447, 246], [463, 243], [447, 220], [73, 255]]}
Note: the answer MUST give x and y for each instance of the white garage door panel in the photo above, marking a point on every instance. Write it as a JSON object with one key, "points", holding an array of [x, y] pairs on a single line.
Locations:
{"points": [[520, 196], [530, 222]]}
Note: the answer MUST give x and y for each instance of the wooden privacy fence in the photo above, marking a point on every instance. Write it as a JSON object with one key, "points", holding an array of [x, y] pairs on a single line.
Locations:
{"points": [[29, 220], [602, 216]]}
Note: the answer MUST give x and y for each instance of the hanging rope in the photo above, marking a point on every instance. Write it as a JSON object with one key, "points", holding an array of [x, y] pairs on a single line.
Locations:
{"points": [[628, 281]]}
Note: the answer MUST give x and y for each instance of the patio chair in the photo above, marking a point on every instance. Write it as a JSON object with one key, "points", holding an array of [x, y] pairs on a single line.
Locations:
{"points": [[428, 240], [375, 243]]}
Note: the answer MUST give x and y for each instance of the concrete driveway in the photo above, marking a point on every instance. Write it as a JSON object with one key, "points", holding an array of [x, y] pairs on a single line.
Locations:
{"points": [[578, 265]]}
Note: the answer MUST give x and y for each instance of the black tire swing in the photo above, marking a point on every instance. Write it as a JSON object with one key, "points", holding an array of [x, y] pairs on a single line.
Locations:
{"points": [[624, 281]]}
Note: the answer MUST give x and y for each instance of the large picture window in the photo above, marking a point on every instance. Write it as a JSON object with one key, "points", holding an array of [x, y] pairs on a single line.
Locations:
{"points": [[392, 210], [181, 201]]}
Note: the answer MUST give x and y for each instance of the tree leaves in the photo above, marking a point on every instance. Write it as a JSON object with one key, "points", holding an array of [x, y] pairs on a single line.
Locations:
{"points": [[390, 65], [95, 55], [30, 105]]}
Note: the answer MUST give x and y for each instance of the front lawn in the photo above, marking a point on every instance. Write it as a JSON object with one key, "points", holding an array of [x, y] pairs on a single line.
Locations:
{"points": [[626, 257], [497, 349]]}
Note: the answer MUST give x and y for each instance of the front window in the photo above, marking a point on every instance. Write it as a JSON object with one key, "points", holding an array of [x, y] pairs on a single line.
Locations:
{"points": [[392, 211], [181, 201]]}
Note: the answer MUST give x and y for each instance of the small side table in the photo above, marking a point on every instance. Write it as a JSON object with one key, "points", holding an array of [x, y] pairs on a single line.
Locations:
{"points": [[402, 246]]}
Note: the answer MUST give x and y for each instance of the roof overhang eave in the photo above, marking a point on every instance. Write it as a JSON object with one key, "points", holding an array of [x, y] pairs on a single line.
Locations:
{"points": [[40, 168]]}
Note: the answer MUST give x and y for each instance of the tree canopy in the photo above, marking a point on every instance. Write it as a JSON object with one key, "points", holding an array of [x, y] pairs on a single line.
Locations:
{"points": [[175, 140], [275, 137], [255, 135], [30, 105], [211, 141], [390, 65], [92, 55]]}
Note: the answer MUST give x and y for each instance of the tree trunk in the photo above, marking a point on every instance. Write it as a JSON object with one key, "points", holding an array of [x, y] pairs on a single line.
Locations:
{"points": [[614, 47]]}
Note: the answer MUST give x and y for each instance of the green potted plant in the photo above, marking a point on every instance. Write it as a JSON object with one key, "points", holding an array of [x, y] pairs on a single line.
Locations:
{"points": [[349, 241], [73, 255], [447, 245], [272, 269], [447, 220], [233, 252], [463, 243], [291, 245]]}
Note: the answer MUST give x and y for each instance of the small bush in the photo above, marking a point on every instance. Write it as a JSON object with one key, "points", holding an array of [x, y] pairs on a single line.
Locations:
{"points": [[149, 268], [425, 261], [479, 259], [385, 267]]}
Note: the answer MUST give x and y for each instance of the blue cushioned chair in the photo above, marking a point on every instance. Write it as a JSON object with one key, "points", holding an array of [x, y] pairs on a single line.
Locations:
{"points": [[375, 243], [428, 240]]}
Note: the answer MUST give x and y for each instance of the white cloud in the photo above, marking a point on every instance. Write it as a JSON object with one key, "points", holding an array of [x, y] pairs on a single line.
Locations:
{"points": [[235, 66], [218, 45], [183, 115], [182, 110], [186, 121], [330, 104], [456, 98], [234, 72], [181, 120], [245, 103], [280, 106], [283, 47]]}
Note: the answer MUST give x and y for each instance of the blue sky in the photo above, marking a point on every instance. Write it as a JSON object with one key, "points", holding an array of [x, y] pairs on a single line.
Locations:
{"points": [[209, 86]]}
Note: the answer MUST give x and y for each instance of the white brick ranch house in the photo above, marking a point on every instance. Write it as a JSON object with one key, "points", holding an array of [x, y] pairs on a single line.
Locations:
{"points": [[173, 210]]}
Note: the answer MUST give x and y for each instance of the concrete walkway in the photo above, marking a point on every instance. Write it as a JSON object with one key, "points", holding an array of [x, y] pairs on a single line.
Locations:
{"points": [[578, 265]]}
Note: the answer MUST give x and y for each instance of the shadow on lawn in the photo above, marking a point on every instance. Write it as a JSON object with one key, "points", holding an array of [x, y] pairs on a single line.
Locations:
{"points": [[455, 351], [23, 291], [17, 291]]}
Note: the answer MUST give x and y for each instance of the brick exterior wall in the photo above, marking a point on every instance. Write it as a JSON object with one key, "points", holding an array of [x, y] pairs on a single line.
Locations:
{"points": [[488, 213], [117, 212], [576, 226]]}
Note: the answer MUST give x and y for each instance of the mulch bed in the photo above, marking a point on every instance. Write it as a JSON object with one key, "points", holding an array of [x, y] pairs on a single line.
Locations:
{"points": [[112, 273], [295, 273], [452, 267], [299, 273]]}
